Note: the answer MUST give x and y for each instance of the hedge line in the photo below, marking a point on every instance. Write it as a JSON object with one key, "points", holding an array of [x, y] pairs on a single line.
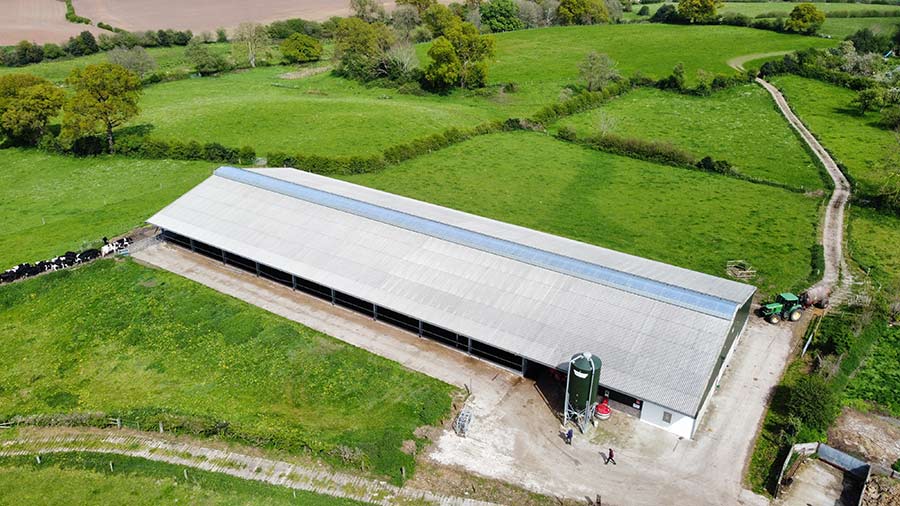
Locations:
{"points": [[651, 151], [140, 146], [395, 154], [586, 100], [75, 18], [663, 153], [863, 13], [802, 64]]}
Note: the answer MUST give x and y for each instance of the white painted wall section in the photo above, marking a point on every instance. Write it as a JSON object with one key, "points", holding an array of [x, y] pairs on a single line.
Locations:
{"points": [[679, 424]]}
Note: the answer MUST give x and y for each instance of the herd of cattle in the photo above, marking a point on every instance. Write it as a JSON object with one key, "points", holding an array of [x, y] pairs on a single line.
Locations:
{"points": [[70, 259]]}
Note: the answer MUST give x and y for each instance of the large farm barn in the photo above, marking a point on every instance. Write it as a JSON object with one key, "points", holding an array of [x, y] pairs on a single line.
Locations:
{"points": [[517, 297]]}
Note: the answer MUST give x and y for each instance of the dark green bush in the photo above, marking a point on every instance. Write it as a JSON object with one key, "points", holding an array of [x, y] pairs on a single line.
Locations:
{"points": [[736, 19], [644, 11], [835, 335], [246, 156], [707, 164], [567, 133], [890, 117], [215, 152], [667, 14], [813, 402]]}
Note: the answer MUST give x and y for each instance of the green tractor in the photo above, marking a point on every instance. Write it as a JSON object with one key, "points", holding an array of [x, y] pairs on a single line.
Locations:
{"points": [[787, 306]]}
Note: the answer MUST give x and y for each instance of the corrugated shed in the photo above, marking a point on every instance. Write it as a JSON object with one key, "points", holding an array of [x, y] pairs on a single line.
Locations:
{"points": [[447, 268]]}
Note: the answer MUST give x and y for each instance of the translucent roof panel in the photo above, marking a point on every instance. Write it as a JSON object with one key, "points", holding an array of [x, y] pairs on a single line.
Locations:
{"points": [[679, 296]]}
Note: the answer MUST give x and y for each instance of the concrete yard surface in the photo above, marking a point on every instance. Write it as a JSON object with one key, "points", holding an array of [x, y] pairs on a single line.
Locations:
{"points": [[818, 483], [515, 435]]}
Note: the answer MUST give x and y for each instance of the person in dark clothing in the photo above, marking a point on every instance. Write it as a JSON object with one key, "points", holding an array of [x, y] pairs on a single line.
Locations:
{"points": [[611, 457], [569, 435]]}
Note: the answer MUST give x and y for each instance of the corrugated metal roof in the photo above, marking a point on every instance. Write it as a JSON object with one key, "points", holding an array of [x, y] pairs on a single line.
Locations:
{"points": [[442, 266]]}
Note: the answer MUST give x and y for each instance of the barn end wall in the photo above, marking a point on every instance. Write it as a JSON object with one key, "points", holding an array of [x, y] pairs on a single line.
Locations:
{"points": [[678, 424]]}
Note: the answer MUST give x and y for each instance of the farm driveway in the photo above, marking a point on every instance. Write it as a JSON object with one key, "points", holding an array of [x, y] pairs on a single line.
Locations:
{"points": [[837, 277], [833, 225], [515, 435]]}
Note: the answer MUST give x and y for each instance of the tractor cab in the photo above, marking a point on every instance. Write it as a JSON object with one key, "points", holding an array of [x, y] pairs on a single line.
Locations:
{"points": [[787, 306]]}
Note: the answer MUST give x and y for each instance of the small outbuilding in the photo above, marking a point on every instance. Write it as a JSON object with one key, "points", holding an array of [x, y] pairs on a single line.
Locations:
{"points": [[507, 294]]}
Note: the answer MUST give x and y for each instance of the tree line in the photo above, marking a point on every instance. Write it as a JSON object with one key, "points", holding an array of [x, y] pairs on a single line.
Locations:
{"points": [[804, 18], [102, 98], [26, 52]]}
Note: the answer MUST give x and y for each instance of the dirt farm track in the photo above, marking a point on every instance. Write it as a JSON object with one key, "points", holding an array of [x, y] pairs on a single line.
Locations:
{"points": [[44, 20]]}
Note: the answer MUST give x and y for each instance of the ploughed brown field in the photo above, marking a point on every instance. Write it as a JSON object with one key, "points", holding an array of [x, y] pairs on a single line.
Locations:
{"points": [[200, 15], [38, 20]]}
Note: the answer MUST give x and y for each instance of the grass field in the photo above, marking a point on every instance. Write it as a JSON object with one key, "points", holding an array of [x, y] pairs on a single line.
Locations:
{"points": [[543, 60], [878, 380], [322, 114], [144, 344], [331, 116], [740, 125], [855, 140], [874, 242], [84, 478], [167, 59], [52, 203], [629, 205], [875, 245], [835, 27]]}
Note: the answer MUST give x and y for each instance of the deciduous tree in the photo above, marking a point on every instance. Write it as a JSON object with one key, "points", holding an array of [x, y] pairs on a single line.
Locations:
{"points": [[869, 99], [251, 42], [598, 70], [439, 18], [459, 58], [582, 12], [443, 71], [136, 59], [813, 402], [368, 10], [804, 18], [27, 103], [106, 96], [420, 5], [204, 61], [359, 47], [501, 15], [300, 48], [698, 11]]}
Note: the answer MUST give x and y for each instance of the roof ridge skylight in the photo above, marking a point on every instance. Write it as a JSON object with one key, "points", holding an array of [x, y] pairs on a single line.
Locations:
{"points": [[657, 290]]}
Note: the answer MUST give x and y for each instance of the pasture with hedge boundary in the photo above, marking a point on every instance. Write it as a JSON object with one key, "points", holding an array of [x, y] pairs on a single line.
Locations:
{"points": [[590, 196], [146, 345]]}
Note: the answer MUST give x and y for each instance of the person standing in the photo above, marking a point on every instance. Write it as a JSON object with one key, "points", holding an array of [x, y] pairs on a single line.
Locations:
{"points": [[611, 457], [569, 435]]}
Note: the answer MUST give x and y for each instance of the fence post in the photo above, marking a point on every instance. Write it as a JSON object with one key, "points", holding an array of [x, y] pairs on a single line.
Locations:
{"points": [[160, 428]]}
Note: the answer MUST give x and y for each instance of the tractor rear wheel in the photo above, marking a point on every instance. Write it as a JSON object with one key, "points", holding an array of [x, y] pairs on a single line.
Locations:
{"points": [[795, 315], [773, 319]]}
